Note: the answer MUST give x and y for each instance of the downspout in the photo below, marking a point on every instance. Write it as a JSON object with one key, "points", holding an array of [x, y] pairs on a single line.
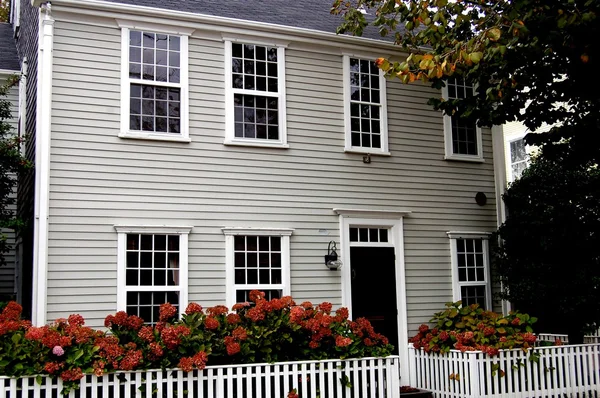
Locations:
{"points": [[42, 164], [500, 182]]}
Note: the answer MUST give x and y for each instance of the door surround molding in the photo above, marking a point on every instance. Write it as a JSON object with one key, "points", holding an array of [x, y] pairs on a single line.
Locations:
{"points": [[394, 221]]}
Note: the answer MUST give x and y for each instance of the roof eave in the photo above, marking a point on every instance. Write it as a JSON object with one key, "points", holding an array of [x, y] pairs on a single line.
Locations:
{"points": [[224, 21]]}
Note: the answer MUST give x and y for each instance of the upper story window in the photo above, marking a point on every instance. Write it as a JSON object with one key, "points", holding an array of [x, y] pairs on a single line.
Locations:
{"points": [[154, 85], [365, 107], [518, 158], [152, 269], [470, 269], [255, 94], [257, 259], [462, 137]]}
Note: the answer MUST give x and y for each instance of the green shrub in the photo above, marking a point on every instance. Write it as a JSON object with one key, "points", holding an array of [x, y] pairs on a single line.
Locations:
{"points": [[470, 328], [260, 331]]}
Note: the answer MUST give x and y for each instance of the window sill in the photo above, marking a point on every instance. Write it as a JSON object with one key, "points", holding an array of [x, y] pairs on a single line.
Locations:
{"points": [[367, 152], [465, 158], [154, 136], [259, 144]]}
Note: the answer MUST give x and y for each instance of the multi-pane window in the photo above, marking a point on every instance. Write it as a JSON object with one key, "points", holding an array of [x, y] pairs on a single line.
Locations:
{"points": [[371, 235], [366, 128], [256, 90], [463, 137], [152, 271], [155, 85], [257, 260], [518, 158], [471, 271]]}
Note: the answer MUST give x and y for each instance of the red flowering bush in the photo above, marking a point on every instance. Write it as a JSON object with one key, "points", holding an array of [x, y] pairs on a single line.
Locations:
{"points": [[470, 328], [259, 331]]}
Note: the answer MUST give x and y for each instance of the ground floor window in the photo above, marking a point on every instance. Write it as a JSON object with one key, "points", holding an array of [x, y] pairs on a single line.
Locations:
{"points": [[152, 269], [257, 258], [470, 268]]}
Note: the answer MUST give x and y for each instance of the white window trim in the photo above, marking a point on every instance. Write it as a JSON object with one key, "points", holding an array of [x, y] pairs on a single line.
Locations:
{"points": [[384, 150], [230, 138], [125, 132], [456, 284], [230, 233], [449, 153], [122, 288]]}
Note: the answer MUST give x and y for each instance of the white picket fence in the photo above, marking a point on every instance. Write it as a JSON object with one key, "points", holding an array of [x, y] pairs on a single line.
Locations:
{"points": [[351, 378], [568, 370]]}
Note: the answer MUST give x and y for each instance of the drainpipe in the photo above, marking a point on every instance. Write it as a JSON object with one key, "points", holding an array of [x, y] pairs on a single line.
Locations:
{"points": [[500, 181], [42, 163]]}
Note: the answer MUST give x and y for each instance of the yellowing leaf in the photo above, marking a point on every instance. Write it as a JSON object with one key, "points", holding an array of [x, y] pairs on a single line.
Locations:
{"points": [[494, 34], [476, 57]]}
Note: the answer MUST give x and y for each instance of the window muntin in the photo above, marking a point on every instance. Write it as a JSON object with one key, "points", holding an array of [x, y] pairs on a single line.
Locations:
{"points": [[154, 92], [366, 129], [257, 263], [152, 270], [463, 137], [257, 259], [518, 158], [471, 270], [371, 235], [256, 92]]}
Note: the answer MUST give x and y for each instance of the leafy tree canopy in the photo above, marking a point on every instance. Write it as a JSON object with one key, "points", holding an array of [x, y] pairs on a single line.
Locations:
{"points": [[549, 259], [535, 61]]}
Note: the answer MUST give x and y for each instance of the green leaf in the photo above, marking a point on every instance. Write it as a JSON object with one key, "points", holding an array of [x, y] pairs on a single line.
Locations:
{"points": [[476, 57], [16, 338]]}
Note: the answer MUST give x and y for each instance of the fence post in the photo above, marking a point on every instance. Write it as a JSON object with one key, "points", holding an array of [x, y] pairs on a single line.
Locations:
{"points": [[473, 374], [412, 366]]}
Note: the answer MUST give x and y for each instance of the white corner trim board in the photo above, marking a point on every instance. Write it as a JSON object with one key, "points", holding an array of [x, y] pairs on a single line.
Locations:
{"points": [[42, 164]]}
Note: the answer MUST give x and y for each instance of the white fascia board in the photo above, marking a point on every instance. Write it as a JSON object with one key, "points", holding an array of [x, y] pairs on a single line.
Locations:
{"points": [[120, 10]]}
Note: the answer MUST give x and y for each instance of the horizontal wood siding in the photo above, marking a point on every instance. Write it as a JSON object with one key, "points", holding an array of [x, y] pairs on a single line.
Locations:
{"points": [[99, 180], [7, 272]]}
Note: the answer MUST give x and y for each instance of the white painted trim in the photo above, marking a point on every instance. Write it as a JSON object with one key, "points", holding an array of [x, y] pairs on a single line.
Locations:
{"points": [[260, 41], [42, 165], [122, 288], [384, 150], [499, 154], [9, 72], [397, 241], [183, 84], [449, 153], [468, 235], [158, 28], [230, 138], [230, 233], [257, 231], [15, 14], [368, 213], [456, 284], [153, 229], [233, 25]]}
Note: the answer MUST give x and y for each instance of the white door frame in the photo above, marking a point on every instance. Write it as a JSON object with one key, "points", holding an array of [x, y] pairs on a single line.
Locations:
{"points": [[394, 221]]}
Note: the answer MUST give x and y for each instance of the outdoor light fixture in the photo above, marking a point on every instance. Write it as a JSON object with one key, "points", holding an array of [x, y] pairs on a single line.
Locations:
{"points": [[332, 260]]}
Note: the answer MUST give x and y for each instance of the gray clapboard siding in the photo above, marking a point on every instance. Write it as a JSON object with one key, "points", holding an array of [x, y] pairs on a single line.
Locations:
{"points": [[99, 180], [7, 272]]}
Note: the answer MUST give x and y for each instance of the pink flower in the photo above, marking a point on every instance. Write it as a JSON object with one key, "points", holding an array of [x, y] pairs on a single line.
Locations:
{"points": [[58, 351]]}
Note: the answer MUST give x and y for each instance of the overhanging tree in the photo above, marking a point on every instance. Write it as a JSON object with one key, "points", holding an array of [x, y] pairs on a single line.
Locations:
{"points": [[534, 61]]}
